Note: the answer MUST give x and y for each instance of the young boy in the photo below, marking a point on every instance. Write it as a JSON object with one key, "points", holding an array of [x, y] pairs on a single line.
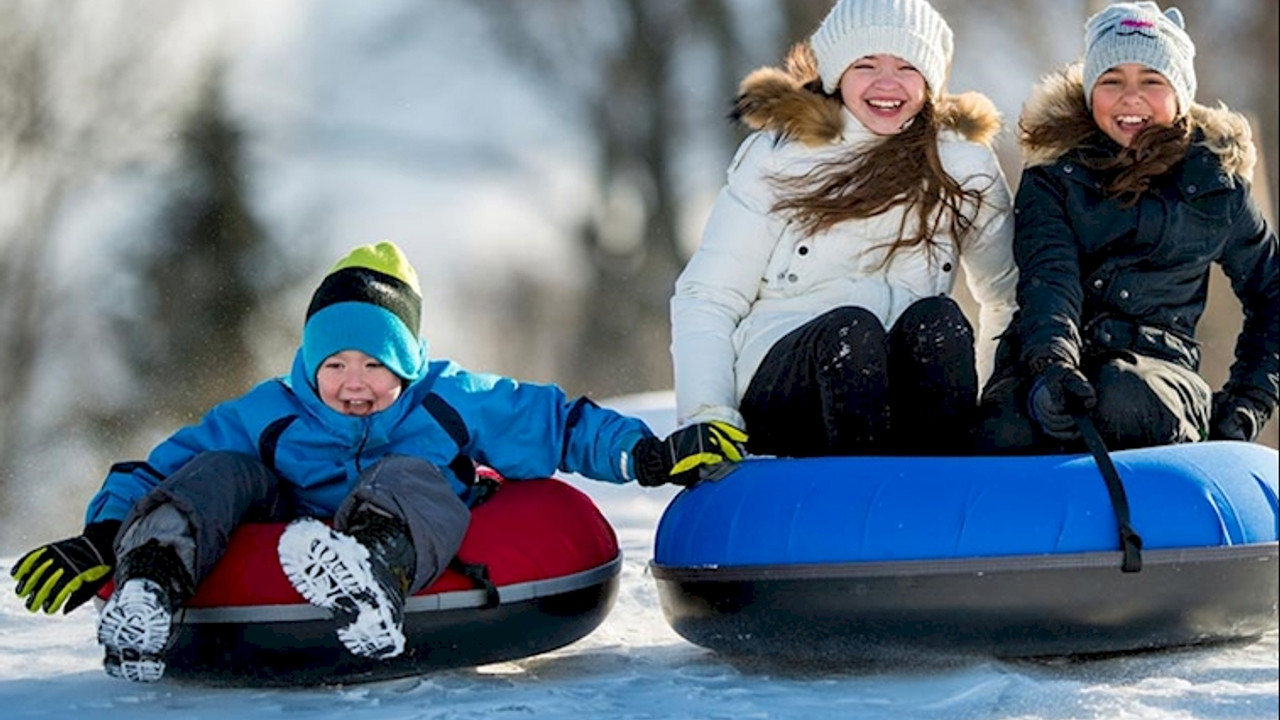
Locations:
{"points": [[359, 432]]}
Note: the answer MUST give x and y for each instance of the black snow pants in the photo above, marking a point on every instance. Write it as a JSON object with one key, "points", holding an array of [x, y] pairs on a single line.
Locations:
{"points": [[1142, 402], [843, 385]]}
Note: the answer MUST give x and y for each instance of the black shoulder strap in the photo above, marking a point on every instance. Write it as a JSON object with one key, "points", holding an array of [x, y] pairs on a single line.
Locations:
{"points": [[1130, 541], [270, 438], [451, 421], [129, 467], [448, 417], [477, 491], [571, 420], [478, 574]]}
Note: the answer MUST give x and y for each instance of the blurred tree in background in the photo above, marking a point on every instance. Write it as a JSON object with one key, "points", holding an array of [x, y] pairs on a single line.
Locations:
{"points": [[202, 280], [622, 73], [85, 91]]}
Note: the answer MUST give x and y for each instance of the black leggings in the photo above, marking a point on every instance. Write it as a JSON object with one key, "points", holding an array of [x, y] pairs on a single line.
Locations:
{"points": [[841, 385]]}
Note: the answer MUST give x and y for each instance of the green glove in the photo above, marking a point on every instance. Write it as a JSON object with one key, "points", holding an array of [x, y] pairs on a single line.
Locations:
{"points": [[680, 458], [69, 571]]}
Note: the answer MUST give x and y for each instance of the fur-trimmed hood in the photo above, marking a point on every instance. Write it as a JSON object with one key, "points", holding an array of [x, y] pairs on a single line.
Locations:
{"points": [[790, 102], [1057, 105]]}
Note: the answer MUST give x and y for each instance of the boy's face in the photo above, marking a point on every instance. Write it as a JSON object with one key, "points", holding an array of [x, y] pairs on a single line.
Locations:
{"points": [[356, 384]]}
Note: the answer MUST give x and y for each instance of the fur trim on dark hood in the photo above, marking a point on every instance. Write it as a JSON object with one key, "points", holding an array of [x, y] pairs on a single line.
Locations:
{"points": [[1057, 105], [790, 102]]}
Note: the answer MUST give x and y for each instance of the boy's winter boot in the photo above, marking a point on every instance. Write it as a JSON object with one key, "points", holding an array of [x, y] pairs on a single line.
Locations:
{"points": [[136, 625], [362, 576]]}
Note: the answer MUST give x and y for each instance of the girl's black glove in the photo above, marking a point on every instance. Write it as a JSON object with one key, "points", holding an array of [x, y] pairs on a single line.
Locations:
{"points": [[1237, 417], [1059, 393]]}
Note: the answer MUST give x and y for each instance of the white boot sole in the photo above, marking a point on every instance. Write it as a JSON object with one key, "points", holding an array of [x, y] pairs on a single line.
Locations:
{"points": [[331, 570], [134, 630]]}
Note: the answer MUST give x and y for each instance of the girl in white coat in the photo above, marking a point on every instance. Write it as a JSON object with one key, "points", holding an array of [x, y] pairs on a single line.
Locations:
{"points": [[816, 314]]}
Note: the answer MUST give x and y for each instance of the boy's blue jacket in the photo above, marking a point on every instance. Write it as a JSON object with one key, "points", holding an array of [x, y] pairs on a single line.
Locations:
{"points": [[521, 430]]}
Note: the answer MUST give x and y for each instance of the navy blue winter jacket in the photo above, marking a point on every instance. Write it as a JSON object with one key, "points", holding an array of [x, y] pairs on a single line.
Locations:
{"points": [[1098, 273]]}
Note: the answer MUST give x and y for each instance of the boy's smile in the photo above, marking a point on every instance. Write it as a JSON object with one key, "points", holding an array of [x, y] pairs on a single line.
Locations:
{"points": [[354, 383]]}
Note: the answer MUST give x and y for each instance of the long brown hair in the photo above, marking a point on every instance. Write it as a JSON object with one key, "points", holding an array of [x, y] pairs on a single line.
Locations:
{"points": [[1130, 171], [903, 169], [1152, 152]]}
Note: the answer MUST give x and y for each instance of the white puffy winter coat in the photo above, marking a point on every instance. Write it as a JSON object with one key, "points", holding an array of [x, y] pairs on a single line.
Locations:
{"points": [[755, 278]]}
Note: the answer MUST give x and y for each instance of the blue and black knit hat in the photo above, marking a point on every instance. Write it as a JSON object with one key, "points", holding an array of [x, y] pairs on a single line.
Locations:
{"points": [[370, 301]]}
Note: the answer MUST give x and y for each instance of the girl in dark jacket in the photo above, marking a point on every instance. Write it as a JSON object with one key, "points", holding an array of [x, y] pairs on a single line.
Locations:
{"points": [[1131, 191]]}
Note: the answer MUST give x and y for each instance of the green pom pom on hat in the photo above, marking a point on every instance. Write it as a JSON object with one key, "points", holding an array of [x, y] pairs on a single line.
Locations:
{"points": [[370, 301], [386, 258]]}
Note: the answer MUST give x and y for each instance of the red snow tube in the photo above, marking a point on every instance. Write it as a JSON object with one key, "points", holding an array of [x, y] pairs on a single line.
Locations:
{"points": [[552, 556]]}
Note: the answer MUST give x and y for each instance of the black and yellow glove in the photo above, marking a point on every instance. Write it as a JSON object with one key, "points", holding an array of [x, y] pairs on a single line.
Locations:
{"points": [[681, 457], [67, 573]]}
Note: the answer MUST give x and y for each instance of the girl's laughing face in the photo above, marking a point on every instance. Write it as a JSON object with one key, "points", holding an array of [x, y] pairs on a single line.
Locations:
{"points": [[884, 92], [1131, 97]]}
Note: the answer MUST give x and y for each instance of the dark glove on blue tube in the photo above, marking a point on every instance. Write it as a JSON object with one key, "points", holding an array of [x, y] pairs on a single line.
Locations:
{"points": [[1059, 393]]}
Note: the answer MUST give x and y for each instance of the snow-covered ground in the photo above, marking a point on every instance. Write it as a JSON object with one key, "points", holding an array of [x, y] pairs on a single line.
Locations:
{"points": [[635, 666]]}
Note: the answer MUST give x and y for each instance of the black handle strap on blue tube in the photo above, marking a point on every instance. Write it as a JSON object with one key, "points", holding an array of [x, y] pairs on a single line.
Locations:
{"points": [[1130, 541]]}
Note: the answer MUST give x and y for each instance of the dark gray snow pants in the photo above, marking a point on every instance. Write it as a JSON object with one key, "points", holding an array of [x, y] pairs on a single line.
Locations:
{"points": [[195, 509]]}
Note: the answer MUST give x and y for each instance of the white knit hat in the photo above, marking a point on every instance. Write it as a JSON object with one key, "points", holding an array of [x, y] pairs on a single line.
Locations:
{"points": [[1137, 32], [909, 29]]}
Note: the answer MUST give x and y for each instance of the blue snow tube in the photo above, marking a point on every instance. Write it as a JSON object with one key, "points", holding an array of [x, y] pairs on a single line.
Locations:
{"points": [[1010, 556]]}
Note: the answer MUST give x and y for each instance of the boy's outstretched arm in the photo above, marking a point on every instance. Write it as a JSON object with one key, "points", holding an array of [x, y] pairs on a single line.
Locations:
{"points": [[681, 457]]}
